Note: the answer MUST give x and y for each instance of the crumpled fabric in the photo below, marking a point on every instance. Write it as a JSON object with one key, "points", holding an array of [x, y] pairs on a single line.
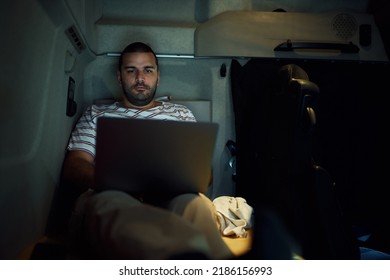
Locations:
{"points": [[234, 215]]}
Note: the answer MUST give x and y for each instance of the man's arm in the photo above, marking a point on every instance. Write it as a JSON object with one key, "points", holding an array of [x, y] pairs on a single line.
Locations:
{"points": [[79, 170]]}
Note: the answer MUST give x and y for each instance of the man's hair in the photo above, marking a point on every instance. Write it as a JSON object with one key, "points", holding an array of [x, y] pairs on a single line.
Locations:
{"points": [[136, 47]]}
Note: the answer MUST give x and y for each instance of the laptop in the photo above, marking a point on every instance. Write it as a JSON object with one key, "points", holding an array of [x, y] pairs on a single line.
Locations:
{"points": [[154, 156]]}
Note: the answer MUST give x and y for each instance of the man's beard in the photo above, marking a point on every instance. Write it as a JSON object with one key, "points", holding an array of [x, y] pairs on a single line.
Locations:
{"points": [[139, 98]]}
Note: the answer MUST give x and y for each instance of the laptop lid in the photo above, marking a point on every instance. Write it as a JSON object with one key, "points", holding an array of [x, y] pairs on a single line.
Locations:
{"points": [[154, 156]]}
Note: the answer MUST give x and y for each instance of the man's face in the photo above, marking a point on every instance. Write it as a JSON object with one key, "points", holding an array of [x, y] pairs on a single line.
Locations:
{"points": [[139, 78]]}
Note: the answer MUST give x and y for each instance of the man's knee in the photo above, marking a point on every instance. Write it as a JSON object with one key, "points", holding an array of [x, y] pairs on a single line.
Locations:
{"points": [[192, 206], [112, 198]]}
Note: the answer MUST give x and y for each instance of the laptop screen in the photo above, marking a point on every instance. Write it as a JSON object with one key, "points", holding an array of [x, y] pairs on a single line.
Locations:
{"points": [[138, 155]]}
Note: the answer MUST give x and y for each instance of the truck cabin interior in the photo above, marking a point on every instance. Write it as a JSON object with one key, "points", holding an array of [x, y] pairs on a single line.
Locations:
{"points": [[297, 88]]}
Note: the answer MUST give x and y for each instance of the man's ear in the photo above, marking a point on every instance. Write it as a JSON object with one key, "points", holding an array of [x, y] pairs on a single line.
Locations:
{"points": [[158, 78]]}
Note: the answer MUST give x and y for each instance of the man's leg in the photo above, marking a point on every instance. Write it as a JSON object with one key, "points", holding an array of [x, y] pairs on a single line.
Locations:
{"points": [[199, 210], [117, 226]]}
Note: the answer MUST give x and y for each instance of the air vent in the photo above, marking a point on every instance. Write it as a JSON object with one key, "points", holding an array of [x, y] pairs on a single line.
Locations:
{"points": [[345, 26], [75, 38]]}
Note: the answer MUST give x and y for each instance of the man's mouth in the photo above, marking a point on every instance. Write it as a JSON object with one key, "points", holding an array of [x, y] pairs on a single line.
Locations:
{"points": [[141, 87]]}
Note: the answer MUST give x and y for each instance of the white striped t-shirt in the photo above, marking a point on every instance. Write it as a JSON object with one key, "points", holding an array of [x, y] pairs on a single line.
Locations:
{"points": [[84, 135]]}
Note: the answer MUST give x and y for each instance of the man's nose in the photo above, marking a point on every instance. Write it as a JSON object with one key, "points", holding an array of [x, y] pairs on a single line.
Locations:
{"points": [[140, 76]]}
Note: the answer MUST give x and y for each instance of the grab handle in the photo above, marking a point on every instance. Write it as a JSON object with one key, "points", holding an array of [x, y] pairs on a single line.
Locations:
{"points": [[342, 47]]}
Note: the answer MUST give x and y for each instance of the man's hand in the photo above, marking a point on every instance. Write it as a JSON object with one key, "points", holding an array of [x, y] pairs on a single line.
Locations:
{"points": [[79, 170]]}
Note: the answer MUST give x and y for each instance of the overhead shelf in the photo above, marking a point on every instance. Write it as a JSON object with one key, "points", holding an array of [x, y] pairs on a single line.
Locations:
{"points": [[328, 35]]}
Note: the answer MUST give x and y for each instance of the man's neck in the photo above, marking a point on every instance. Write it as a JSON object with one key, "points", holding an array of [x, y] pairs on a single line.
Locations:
{"points": [[150, 105]]}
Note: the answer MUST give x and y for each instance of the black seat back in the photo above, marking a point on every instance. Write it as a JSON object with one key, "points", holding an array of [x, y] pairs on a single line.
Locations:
{"points": [[275, 116]]}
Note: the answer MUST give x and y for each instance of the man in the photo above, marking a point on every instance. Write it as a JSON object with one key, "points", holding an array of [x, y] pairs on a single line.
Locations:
{"points": [[114, 224]]}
